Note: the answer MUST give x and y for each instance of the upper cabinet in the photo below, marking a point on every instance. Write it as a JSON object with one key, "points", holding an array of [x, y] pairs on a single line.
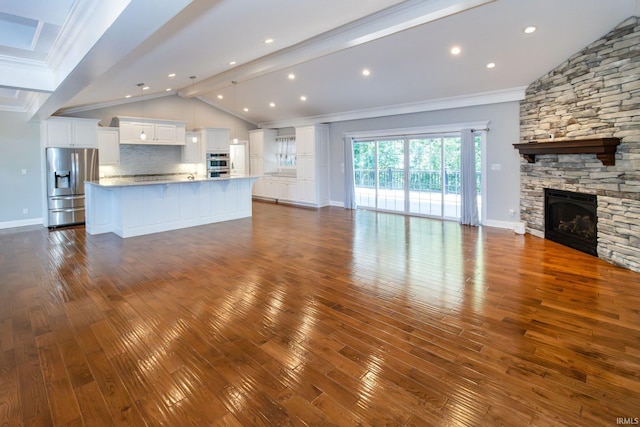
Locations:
{"points": [[69, 132], [109, 145], [135, 130], [262, 144], [215, 139]]}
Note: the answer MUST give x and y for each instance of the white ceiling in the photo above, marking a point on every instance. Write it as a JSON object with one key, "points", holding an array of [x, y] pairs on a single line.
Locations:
{"points": [[65, 55]]}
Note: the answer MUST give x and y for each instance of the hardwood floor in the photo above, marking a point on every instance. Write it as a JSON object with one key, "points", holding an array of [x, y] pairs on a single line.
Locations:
{"points": [[314, 317]]}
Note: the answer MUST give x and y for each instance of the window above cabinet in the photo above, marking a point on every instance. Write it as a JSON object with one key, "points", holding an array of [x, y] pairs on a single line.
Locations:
{"points": [[286, 151]]}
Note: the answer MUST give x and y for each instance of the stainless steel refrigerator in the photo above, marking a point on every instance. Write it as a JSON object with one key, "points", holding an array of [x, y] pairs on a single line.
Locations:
{"points": [[67, 170]]}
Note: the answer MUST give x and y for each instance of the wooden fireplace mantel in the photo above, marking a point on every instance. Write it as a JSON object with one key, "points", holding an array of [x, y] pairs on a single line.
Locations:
{"points": [[603, 148]]}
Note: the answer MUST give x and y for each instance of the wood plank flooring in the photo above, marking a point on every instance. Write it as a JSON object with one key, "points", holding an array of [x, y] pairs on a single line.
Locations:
{"points": [[314, 318]]}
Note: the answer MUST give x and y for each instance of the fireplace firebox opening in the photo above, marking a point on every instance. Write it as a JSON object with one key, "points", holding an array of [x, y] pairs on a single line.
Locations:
{"points": [[571, 219]]}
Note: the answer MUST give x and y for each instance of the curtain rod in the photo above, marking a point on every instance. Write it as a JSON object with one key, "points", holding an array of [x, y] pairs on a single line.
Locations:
{"points": [[373, 138]]}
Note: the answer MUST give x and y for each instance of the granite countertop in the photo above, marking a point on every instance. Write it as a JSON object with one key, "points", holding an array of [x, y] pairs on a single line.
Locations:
{"points": [[158, 179], [281, 174]]}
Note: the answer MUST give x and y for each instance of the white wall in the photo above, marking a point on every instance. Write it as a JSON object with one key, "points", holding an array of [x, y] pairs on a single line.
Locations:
{"points": [[19, 149], [503, 186]]}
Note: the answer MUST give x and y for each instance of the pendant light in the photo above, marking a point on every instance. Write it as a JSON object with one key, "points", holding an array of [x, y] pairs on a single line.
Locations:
{"points": [[194, 138], [143, 136]]}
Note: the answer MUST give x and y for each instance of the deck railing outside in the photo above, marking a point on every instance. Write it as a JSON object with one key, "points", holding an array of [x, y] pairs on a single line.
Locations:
{"points": [[419, 180]]}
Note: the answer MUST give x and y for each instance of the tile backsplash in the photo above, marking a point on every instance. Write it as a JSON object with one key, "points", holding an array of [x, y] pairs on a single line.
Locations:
{"points": [[148, 160]]}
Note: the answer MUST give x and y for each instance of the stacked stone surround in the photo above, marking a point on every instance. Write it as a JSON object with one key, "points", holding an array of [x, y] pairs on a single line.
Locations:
{"points": [[594, 94]]}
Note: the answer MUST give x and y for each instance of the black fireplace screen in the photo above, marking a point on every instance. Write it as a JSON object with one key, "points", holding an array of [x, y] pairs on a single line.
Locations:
{"points": [[571, 219]]}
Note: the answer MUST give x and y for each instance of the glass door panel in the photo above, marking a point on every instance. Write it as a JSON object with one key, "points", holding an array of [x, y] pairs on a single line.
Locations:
{"points": [[364, 168], [425, 176], [391, 179], [452, 177]]}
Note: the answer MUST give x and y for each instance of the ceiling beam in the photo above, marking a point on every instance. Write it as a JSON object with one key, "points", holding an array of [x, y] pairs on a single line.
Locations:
{"points": [[400, 17]]}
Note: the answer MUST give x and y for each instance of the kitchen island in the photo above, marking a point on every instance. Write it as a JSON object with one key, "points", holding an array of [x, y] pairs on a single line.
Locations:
{"points": [[133, 207]]}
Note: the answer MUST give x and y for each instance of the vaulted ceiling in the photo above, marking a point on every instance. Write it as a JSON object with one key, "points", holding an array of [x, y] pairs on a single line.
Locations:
{"points": [[66, 56]]}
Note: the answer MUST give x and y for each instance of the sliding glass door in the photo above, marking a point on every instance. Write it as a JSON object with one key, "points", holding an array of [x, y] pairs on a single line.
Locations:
{"points": [[419, 175], [379, 174]]}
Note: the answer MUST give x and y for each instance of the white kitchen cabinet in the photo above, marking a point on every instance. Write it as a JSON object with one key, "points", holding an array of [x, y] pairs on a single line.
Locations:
{"points": [[215, 139], [312, 169], [310, 185], [69, 132], [192, 151], [109, 146], [306, 140], [262, 143], [156, 131]]}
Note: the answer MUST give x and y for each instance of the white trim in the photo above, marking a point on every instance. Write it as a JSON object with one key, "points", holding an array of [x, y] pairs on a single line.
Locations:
{"points": [[482, 98], [337, 204], [483, 182], [21, 223], [499, 224]]}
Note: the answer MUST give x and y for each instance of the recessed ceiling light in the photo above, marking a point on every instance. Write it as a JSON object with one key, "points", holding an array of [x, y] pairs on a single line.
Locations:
{"points": [[245, 109], [127, 96], [530, 29], [366, 72], [491, 65], [272, 104], [233, 63], [455, 50], [267, 41], [291, 76], [145, 88], [172, 75], [220, 97], [303, 98], [168, 89]]}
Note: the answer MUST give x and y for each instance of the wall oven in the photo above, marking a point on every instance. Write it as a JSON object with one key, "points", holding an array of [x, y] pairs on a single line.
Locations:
{"points": [[218, 164]]}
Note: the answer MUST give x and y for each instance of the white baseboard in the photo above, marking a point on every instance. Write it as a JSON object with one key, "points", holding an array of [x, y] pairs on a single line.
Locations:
{"points": [[337, 204], [500, 224], [21, 223]]}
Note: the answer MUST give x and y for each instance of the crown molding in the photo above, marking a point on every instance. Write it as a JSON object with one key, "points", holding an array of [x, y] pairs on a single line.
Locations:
{"points": [[26, 74], [87, 23], [481, 98]]}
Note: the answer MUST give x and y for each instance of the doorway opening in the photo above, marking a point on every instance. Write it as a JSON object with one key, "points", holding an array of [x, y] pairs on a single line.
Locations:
{"points": [[239, 157]]}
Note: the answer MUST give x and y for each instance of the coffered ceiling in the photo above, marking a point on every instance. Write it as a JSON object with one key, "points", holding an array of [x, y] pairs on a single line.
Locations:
{"points": [[65, 56]]}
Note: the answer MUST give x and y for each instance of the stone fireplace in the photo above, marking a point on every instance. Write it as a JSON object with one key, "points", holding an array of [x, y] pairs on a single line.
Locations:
{"points": [[595, 94]]}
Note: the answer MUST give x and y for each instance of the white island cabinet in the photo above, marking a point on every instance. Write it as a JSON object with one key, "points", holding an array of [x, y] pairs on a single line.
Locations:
{"points": [[129, 208]]}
